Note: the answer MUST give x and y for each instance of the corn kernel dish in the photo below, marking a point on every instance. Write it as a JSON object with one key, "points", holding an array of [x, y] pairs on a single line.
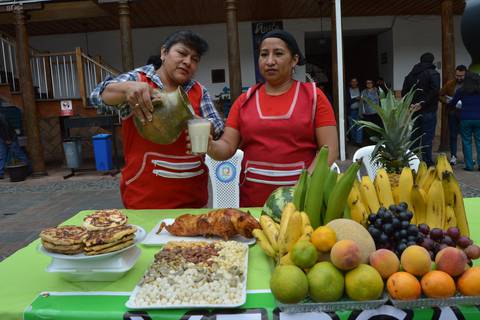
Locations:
{"points": [[189, 274]]}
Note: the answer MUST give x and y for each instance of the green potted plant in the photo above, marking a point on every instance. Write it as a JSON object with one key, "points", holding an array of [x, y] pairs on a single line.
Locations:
{"points": [[17, 169]]}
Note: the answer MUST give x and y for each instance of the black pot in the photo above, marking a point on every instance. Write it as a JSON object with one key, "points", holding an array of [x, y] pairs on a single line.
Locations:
{"points": [[18, 172]]}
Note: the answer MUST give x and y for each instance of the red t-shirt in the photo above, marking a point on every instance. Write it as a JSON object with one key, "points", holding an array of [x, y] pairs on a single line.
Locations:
{"points": [[279, 105]]}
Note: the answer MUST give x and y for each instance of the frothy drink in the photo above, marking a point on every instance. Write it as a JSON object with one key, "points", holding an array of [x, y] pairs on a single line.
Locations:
{"points": [[199, 131]]}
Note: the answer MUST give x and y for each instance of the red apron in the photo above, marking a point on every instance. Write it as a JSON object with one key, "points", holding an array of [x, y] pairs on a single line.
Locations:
{"points": [[276, 148], [159, 176]]}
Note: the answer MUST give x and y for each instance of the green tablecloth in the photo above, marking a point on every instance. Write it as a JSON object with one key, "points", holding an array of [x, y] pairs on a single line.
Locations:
{"points": [[23, 278]]}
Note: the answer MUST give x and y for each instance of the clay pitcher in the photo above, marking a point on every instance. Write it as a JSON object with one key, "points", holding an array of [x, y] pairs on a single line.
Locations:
{"points": [[171, 111]]}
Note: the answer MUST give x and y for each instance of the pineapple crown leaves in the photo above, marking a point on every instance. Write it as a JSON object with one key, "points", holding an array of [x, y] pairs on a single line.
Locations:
{"points": [[393, 149]]}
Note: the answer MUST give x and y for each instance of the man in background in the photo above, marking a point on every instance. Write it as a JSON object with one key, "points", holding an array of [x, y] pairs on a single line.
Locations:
{"points": [[426, 80], [354, 111], [9, 146], [445, 95]]}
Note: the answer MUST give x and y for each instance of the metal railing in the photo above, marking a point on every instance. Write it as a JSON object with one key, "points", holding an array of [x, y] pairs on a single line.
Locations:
{"points": [[67, 75], [8, 64], [61, 75]]}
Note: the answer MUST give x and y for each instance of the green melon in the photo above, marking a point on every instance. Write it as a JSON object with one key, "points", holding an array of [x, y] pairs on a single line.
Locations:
{"points": [[276, 201]]}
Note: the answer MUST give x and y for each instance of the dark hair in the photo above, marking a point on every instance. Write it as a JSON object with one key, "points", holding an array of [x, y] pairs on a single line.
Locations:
{"points": [[461, 67], [156, 60], [427, 57], [471, 84], [188, 38], [289, 41]]}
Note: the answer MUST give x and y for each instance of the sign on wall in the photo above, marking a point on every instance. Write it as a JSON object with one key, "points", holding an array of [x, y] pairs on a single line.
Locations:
{"points": [[66, 108], [258, 30]]}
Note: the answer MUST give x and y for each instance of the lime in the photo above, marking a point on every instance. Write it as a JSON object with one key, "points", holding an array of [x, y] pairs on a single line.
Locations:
{"points": [[304, 254], [326, 282], [289, 284]]}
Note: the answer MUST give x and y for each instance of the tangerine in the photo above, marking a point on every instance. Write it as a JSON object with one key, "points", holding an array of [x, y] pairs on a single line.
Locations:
{"points": [[469, 282], [323, 238], [438, 284], [403, 286]]}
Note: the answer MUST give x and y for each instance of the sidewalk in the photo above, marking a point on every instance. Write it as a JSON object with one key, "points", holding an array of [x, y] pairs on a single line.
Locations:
{"points": [[29, 206]]}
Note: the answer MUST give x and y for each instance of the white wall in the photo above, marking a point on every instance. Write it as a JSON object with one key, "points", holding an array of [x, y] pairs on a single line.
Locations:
{"points": [[411, 36], [415, 35], [385, 47]]}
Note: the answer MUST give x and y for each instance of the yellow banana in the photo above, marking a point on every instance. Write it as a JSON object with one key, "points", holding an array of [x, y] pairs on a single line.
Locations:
{"points": [[405, 185], [383, 188], [354, 194], [442, 165], [263, 243], [363, 195], [285, 260], [287, 212], [458, 207], [450, 219], [435, 215], [305, 219], [428, 179], [368, 189], [421, 171], [307, 234], [268, 226], [419, 204], [293, 233], [358, 212]]}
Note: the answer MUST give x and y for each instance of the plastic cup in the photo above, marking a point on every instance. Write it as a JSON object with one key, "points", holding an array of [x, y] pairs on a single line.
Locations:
{"points": [[199, 132]]}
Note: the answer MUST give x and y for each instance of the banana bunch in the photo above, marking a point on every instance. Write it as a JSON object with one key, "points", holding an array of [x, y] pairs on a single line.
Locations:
{"points": [[432, 194], [276, 240]]}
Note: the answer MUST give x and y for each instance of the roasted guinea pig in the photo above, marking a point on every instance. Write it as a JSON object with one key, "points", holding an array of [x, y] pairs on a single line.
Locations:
{"points": [[224, 223]]}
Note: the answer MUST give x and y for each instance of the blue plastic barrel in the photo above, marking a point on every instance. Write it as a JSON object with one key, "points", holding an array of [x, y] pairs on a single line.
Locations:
{"points": [[102, 148]]}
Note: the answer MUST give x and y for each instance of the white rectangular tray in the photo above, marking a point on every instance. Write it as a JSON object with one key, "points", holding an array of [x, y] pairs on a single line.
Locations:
{"points": [[130, 305], [154, 239]]}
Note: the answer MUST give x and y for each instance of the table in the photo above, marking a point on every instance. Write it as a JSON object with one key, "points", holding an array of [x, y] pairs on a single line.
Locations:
{"points": [[23, 278]]}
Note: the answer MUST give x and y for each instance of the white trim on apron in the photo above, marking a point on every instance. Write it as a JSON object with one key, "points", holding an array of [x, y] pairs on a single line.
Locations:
{"points": [[179, 166], [275, 171], [285, 116]]}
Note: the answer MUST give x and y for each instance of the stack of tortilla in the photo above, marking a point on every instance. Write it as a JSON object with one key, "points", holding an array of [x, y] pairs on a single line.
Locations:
{"points": [[108, 232], [64, 239]]}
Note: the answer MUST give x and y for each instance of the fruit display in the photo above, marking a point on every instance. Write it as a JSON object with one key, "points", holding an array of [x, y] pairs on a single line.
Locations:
{"points": [[277, 200]]}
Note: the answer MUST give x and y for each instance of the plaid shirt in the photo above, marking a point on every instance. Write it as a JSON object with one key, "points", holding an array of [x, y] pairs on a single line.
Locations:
{"points": [[207, 110]]}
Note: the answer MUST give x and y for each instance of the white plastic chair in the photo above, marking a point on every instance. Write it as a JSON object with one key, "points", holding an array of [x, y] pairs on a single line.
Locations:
{"points": [[225, 179], [365, 155], [335, 167]]}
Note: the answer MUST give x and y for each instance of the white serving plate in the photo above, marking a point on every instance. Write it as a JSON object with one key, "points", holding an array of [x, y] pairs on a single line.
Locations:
{"points": [[139, 236], [154, 239], [130, 305], [108, 269]]}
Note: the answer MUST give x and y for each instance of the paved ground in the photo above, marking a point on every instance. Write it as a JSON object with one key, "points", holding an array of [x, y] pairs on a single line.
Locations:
{"points": [[29, 206]]}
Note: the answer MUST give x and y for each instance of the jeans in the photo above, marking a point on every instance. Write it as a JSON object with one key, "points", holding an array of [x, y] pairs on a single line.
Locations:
{"points": [[9, 150], [356, 133], [453, 125], [467, 128], [425, 128]]}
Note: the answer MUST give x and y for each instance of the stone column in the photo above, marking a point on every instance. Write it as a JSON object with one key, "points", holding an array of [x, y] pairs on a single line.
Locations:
{"points": [[125, 35], [34, 145], [234, 70], [448, 65]]}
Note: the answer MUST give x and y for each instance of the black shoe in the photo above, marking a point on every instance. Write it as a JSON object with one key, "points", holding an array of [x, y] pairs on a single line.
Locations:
{"points": [[2, 177]]}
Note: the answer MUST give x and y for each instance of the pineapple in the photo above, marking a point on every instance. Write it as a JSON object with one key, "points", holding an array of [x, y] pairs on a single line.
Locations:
{"points": [[393, 149]]}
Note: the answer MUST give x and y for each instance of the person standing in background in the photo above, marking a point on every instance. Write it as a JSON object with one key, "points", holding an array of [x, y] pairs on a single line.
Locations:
{"points": [[9, 146], [426, 80], [445, 96], [469, 94], [353, 103], [368, 96]]}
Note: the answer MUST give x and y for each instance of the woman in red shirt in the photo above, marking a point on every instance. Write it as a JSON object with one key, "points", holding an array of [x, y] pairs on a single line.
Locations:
{"points": [[280, 124]]}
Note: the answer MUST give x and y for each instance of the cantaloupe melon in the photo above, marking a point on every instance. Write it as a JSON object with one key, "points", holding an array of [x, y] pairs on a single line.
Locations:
{"points": [[351, 230]]}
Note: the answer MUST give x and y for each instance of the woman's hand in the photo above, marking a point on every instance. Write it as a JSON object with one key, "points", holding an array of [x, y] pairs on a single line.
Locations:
{"points": [[139, 97]]}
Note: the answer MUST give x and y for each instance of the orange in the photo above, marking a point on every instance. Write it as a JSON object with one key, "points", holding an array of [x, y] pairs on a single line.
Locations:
{"points": [[469, 282], [403, 286], [323, 238], [438, 284]]}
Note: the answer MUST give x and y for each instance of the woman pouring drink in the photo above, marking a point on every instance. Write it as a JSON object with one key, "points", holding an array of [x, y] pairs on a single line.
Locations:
{"points": [[159, 176], [279, 124]]}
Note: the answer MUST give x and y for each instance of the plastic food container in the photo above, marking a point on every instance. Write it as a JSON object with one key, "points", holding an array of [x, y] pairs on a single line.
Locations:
{"points": [[108, 269]]}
